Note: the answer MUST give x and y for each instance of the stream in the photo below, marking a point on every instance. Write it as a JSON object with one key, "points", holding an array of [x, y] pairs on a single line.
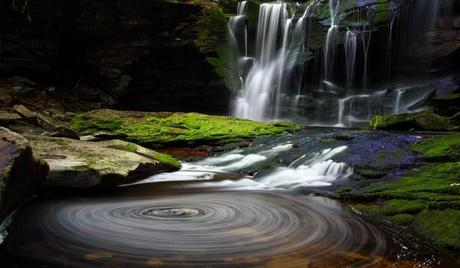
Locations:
{"points": [[251, 207]]}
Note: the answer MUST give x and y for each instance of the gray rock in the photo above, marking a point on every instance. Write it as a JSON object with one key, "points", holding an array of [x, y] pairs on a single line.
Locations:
{"points": [[85, 164], [21, 171]]}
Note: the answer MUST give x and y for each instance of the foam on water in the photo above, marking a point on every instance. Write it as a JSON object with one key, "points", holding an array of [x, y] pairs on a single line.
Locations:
{"points": [[314, 169]]}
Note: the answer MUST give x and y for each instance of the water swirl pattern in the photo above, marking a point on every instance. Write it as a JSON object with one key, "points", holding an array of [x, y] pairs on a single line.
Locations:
{"points": [[218, 228]]}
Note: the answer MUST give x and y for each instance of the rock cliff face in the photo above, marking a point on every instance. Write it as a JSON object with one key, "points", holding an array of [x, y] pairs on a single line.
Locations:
{"points": [[141, 52]]}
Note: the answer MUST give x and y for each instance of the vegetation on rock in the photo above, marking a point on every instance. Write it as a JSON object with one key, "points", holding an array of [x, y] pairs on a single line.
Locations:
{"points": [[84, 164], [428, 199], [426, 120], [161, 129]]}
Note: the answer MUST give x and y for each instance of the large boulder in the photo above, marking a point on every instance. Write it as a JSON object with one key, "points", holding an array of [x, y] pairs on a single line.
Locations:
{"points": [[426, 120], [85, 164], [174, 129], [21, 171]]}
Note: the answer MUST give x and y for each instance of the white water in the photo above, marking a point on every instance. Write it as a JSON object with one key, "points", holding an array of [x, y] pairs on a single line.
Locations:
{"points": [[238, 25], [329, 46], [260, 86], [314, 169], [272, 80], [366, 39], [351, 46], [277, 47]]}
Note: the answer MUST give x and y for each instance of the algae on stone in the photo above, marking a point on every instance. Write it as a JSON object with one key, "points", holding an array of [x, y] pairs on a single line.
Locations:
{"points": [[426, 200], [160, 129], [84, 164], [426, 120]]}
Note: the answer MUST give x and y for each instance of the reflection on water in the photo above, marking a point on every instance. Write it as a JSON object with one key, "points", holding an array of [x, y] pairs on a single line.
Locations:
{"points": [[177, 226]]}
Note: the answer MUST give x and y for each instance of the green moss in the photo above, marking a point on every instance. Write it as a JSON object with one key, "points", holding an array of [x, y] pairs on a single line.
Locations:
{"points": [[431, 182], [441, 147], [392, 121], [156, 129], [443, 225], [403, 219], [167, 159], [427, 200], [95, 124], [426, 120], [128, 147]]}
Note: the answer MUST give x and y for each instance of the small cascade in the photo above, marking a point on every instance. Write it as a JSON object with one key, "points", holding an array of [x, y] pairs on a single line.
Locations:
{"points": [[351, 46], [366, 39], [398, 101], [317, 169], [329, 46], [238, 26]]}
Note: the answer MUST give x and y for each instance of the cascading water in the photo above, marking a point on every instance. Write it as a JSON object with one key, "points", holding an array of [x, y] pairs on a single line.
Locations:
{"points": [[350, 55], [259, 87], [279, 79], [238, 25], [329, 46]]}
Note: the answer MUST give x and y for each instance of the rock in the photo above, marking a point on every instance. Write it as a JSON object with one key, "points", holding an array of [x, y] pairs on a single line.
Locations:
{"points": [[53, 127], [175, 129], [456, 118], [393, 122], [79, 45], [447, 105], [21, 171], [6, 97], [426, 120], [7, 118], [25, 112], [431, 121], [84, 164]]}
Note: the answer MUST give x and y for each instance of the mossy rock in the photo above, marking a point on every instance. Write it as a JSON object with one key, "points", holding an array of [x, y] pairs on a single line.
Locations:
{"points": [[440, 148], [447, 105], [175, 129], [426, 200], [85, 164], [426, 120]]}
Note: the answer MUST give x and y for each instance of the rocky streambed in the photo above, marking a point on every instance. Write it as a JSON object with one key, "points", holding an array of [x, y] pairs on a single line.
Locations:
{"points": [[244, 194]]}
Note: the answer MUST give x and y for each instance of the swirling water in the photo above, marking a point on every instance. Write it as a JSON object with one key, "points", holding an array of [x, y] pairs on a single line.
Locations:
{"points": [[216, 212], [216, 228]]}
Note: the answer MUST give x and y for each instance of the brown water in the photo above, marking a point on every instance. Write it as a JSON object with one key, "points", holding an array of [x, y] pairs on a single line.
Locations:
{"points": [[186, 225]]}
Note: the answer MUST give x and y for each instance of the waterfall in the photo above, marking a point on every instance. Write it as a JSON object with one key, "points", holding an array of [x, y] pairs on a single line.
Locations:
{"points": [[265, 75], [366, 39], [398, 101], [297, 47], [329, 47], [350, 55], [238, 25], [278, 43]]}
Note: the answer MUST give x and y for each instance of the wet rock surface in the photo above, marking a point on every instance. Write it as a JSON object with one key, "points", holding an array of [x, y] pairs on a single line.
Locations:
{"points": [[21, 171], [83, 164]]}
